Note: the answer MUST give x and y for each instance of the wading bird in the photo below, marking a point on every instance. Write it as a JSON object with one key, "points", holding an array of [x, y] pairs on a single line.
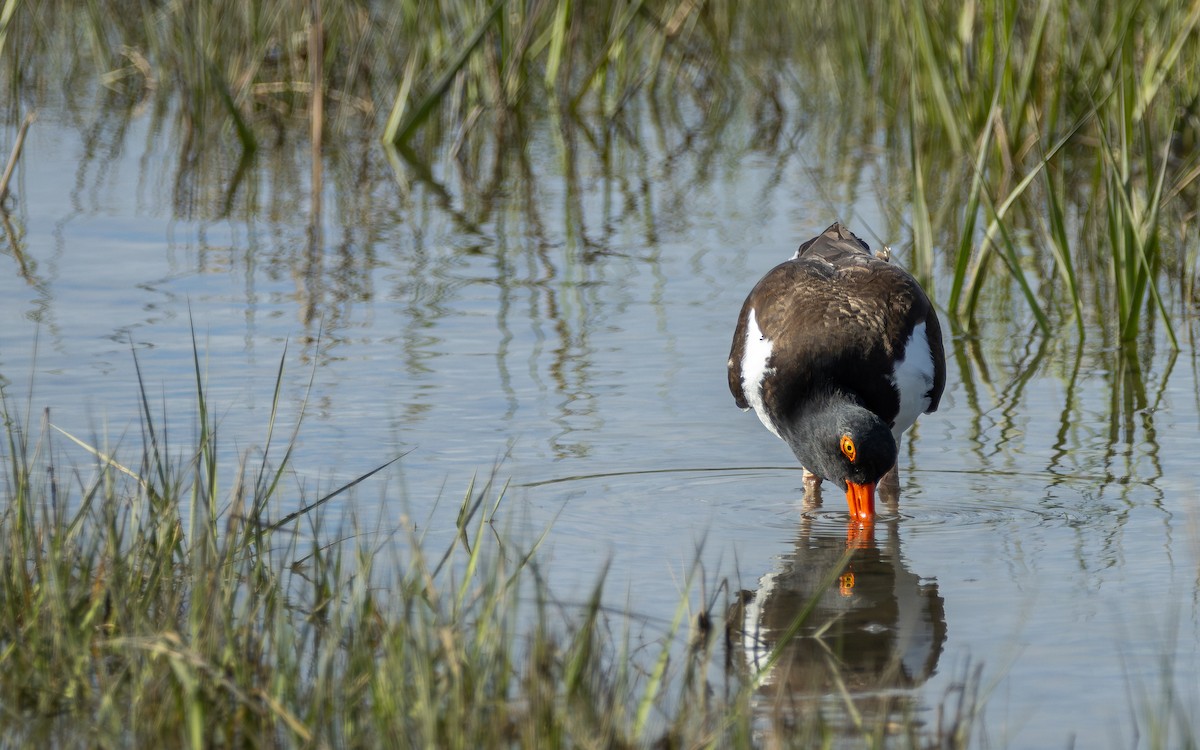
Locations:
{"points": [[838, 351]]}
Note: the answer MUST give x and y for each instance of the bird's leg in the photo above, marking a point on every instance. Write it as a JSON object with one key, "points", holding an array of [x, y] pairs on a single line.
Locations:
{"points": [[888, 489], [812, 492]]}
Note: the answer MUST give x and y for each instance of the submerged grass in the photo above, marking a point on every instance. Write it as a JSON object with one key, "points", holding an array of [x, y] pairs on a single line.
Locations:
{"points": [[143, 605]]}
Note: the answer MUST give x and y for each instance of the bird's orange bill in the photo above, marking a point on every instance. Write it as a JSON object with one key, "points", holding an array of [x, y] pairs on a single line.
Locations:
{"points": [[861, 498]]}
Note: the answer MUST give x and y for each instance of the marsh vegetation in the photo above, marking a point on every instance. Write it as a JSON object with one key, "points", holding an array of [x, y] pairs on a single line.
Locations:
{"points": [[1044, 153], [1039, 162]]}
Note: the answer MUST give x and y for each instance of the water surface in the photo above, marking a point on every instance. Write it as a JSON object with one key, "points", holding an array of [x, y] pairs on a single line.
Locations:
{"points": [[566, 327]]}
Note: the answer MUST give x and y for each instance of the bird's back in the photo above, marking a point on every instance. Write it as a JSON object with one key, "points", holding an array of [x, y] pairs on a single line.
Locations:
{"points": [[836, 314]]}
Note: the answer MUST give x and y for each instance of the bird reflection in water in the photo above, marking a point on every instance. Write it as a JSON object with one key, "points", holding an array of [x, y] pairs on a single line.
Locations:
{"points": [[873, 631]]}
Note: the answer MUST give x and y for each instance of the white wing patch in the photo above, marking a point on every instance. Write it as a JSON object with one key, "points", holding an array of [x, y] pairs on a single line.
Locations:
{"points": [[913, 377], [757, 352]]}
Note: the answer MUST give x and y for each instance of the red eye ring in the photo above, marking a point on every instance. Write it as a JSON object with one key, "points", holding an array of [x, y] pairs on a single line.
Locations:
{"points": [[848, 449]]}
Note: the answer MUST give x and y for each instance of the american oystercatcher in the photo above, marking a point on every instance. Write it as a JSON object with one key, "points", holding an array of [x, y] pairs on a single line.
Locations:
{"points": [[838, 351]]}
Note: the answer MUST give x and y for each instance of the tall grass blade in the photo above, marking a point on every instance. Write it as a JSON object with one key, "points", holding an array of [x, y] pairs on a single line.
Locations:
{"points": [[396, 115], [922, 230], [558, 41], [1060, 246], [922, 41], [962, 259], [475, 550], [657, 677], [244, 132], [582, 652], [156, 457], [207, 453], [264, 491], [6, 16]]}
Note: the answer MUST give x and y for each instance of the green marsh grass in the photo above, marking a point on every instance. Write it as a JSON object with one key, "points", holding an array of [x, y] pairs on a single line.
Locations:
{"points": [[165, 601], [1043, 155]]}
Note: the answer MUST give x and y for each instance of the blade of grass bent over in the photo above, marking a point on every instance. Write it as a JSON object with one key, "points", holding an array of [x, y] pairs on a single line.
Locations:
{"points": [[106, 459], [404, 128], [309, 508]]}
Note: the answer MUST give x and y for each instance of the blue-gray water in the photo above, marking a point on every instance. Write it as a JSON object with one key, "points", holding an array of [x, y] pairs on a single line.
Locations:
{"points": [[575, 333]]}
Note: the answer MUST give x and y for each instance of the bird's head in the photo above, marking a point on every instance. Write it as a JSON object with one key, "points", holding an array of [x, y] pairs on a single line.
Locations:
{"points": [[849, 445]]}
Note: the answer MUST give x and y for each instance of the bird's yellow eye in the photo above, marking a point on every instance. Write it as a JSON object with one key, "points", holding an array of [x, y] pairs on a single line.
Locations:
{"points": [[848, 448]]}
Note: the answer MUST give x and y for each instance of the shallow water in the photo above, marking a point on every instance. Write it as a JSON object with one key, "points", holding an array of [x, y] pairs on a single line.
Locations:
{"points": [[570, 333]]}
